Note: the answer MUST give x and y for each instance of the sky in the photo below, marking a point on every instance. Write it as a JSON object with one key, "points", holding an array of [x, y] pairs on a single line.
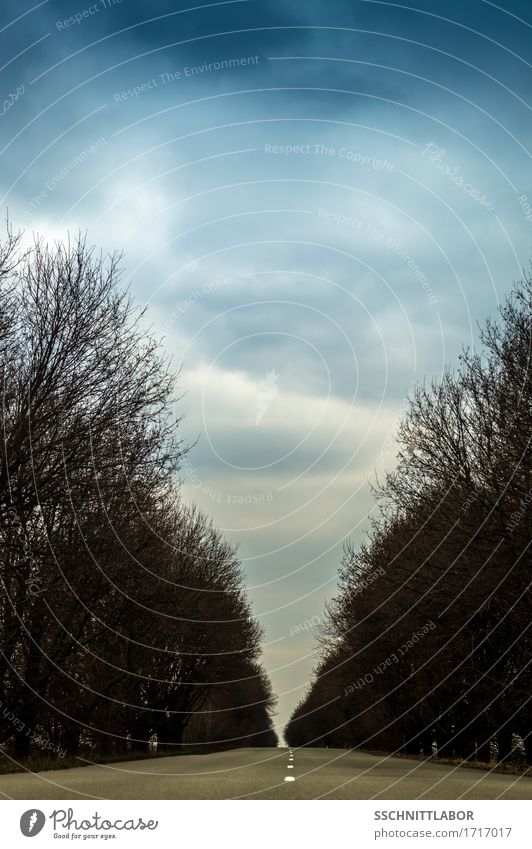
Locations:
{"points": [[317, 203]]}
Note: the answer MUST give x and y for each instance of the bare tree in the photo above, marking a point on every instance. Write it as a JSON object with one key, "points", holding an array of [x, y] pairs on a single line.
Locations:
{"points": [[120, 608]]}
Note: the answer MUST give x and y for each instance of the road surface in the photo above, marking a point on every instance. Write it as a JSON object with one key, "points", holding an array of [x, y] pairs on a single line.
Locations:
{"points": [[268, 774]]}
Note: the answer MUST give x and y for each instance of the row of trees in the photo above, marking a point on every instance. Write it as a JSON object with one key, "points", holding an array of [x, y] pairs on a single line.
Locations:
{"points": [[122, 611], [427, 646]]}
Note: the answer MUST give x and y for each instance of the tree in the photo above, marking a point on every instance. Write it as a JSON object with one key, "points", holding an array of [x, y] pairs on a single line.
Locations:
{"points": [[121, 609], [451, 548]]}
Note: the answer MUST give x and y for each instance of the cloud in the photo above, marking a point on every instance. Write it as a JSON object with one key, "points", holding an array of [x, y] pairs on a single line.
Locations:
{"points": [[274, 225]]}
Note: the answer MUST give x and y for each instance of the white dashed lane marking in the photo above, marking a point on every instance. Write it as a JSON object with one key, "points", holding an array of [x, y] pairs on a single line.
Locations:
{"points": [[290, 766]]}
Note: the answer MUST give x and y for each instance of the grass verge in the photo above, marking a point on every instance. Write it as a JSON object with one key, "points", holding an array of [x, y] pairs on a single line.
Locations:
{"points": [[504, 768], [45, 763]]}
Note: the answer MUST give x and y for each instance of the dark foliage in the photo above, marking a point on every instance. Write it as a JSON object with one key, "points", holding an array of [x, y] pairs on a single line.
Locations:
{"points": [[122, 612], [427, 646]]}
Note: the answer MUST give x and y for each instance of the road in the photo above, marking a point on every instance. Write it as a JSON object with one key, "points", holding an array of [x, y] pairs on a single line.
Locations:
{"points": [[263, 774]]}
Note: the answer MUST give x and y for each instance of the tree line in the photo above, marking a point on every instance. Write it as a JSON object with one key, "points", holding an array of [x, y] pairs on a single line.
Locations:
{"points": [[122, 610], [427, 648]]}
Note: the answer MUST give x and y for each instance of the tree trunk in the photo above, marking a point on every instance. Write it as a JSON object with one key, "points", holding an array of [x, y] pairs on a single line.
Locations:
{"points": [[504, 739], [22, 745], [71, 740]]}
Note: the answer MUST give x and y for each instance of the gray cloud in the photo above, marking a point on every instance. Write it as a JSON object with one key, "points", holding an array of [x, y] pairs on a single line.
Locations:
{"points": [[377, 244]]}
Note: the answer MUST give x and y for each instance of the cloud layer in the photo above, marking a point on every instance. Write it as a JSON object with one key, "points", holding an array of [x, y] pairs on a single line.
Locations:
{"points": [[316, 201]]}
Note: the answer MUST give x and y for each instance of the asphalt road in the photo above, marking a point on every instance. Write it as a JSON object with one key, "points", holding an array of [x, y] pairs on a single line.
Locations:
{"points": [[262, 774]]}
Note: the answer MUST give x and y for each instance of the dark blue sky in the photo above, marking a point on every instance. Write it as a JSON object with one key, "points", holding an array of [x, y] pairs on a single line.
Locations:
{"points": [[316, 200]]}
